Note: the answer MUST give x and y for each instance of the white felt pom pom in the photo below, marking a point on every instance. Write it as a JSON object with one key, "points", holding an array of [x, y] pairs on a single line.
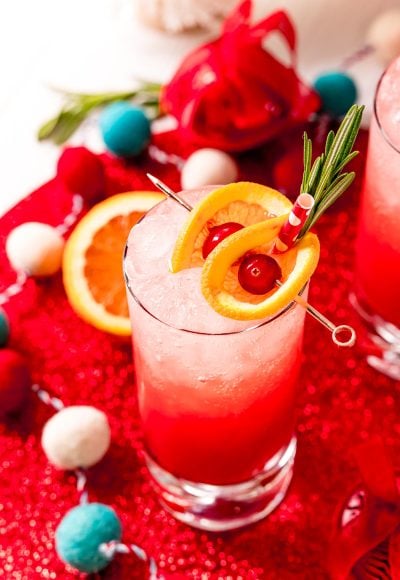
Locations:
{"points": [[208, 167], [35, 249], [384, 35], [76, 436]]}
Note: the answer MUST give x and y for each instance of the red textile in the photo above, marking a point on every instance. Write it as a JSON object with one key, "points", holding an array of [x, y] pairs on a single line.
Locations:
{"points": [[341, 403], [232, 93]]}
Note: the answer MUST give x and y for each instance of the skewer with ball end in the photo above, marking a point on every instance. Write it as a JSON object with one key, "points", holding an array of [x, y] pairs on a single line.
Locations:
{"points": [[342, 335]]}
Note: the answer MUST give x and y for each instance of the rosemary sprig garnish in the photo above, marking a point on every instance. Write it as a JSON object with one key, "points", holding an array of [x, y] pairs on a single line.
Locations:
{"points": [[324, 179], [78, 106]]}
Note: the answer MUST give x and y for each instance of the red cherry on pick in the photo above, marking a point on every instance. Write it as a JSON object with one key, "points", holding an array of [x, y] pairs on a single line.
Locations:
{"points": [[217, 234], [82, 172], [258, 273]]}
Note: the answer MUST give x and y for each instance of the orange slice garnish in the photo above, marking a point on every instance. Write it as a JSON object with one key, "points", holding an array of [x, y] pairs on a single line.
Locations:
{"points": [[92, 261], [244, 203], [219, 280], [262, 211]]}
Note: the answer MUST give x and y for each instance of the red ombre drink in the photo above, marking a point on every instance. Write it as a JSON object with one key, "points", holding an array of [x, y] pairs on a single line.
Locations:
{"points": [[216, 395], [378, 243]]}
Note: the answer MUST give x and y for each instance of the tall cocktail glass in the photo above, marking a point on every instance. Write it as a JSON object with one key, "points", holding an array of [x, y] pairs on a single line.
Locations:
{"points": [[216, 396], [378, 242]]}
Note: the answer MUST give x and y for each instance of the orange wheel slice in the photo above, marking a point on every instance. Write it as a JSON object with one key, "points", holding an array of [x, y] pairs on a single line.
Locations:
{"points": [[92, 262], [243, 202], [219, 280]]}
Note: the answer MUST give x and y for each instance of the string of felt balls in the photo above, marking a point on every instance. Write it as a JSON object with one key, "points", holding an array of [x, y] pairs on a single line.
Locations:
{"points": [[75, 437], [89, 535]]}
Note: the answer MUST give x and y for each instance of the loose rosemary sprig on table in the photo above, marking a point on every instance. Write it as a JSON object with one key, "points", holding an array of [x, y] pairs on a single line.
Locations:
{"points": [[324, 179], [78, 106]]}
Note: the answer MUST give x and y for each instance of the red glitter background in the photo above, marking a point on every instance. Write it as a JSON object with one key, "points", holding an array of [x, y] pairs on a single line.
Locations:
{"points": [[341, 403]]}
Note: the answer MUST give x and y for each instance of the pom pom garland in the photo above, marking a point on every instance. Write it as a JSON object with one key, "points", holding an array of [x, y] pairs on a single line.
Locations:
{"points": [[77, 436], [82, 172], [208, 167], [125, 129], [384, 35], [15, 381], [35, 248], [81, 533], [337, 91], [88, 537], [98, 526], [4, 328]]}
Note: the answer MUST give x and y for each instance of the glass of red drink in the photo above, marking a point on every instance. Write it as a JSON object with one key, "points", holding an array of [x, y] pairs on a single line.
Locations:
{"points": [[216, 395], [378, 242]]}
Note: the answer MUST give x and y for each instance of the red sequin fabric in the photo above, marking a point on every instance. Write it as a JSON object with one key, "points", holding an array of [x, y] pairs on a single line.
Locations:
{"points": [[342, 402]]}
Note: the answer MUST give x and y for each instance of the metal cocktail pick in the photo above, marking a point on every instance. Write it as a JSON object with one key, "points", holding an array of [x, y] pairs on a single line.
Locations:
{"points": [[345, 331]]}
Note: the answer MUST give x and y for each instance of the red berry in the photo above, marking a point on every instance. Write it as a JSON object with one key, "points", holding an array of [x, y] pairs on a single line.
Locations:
{"points": [[82, 172], [217, 234], [258, 273]]}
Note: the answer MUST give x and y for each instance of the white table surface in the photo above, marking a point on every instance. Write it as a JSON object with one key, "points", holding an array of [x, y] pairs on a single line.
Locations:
{"points": [[97, 45]]}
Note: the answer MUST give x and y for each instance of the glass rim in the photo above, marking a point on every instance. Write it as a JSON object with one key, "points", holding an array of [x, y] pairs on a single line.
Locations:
{"points": [[197, 332], [376, 114]]}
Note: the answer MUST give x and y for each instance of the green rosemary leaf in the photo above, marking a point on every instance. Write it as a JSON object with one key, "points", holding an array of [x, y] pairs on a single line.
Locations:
{"points": [[47, 129], [93, 101], [339, 143], [307, 155], [314, 176], [113, 95], [344, 183], [68, 123], [354, 132], [335, 153], [79, 105], [325, 181], [347, 160], [332, 187], [329, 140]]}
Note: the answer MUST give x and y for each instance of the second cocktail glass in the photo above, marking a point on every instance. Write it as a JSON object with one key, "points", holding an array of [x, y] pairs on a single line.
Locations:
{"points": [[378, 242]]}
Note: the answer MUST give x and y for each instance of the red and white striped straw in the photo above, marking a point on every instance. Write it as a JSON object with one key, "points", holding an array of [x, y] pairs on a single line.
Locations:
{"points": [[296, 220]]}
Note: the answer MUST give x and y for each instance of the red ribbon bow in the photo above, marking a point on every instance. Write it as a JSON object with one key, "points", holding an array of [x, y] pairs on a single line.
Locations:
{"points": [[366, 542], [232, 93]]}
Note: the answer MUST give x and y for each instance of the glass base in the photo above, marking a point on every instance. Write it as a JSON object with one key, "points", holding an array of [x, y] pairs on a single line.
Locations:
{"points": [[384, 337], [217, 508]]}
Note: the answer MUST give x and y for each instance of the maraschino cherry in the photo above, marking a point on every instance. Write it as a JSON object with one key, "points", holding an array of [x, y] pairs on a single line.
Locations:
{"points": [[217, 234], [258, 273]]}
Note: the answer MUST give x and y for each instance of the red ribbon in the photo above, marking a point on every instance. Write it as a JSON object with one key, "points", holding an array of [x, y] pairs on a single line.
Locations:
{"points": [[232, 93], [371, 539]]}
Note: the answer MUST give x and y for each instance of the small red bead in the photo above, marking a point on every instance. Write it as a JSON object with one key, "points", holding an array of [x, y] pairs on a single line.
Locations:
{"points": [[15, 381], [258, 273], [217, 234], [82, 172]]}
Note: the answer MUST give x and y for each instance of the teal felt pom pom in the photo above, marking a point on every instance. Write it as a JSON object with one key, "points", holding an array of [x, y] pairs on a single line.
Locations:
{"points": [[125, 129], [80, 533], [4, 328], [338, 92]]}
